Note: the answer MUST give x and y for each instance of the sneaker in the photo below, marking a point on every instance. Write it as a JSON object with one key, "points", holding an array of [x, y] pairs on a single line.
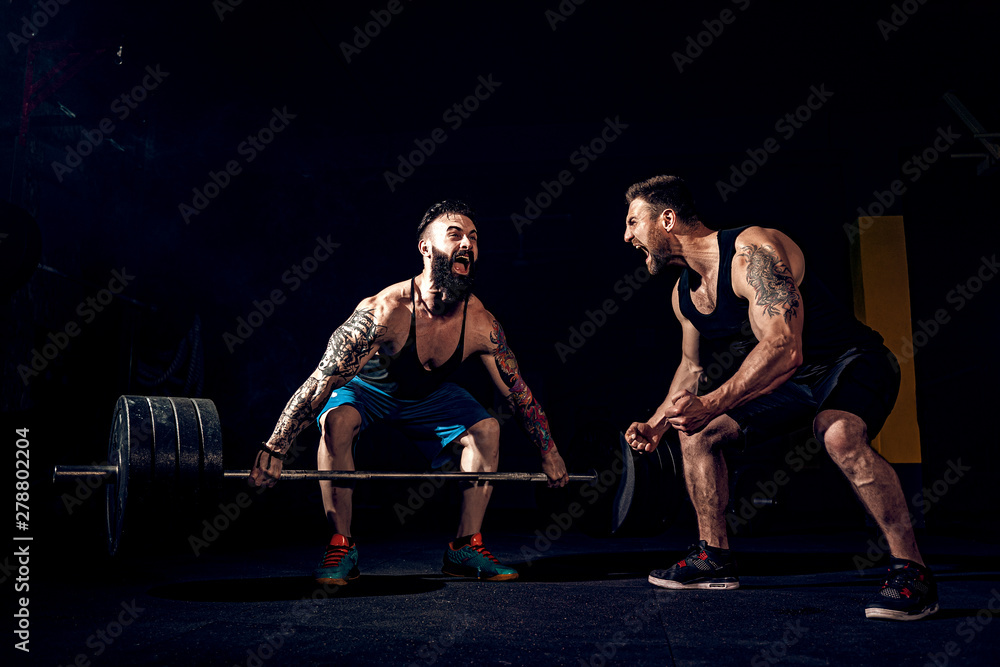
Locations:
{"points": [[475, 560], [909, 592], [704, 568], [339, 564]]}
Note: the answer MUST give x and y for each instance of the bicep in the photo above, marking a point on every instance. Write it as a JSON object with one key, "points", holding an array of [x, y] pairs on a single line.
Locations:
{"points": [[353, 343], [767, 282]]}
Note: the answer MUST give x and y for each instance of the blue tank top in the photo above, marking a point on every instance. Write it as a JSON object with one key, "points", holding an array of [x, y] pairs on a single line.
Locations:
{"points": [[402, 375], [726, 336]]}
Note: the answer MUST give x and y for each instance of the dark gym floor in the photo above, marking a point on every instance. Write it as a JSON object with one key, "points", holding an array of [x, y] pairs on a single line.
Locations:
{"points": [[580, 600]]}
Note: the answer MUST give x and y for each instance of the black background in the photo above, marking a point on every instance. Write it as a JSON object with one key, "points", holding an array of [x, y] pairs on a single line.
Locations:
{"points": [[324, 176]]}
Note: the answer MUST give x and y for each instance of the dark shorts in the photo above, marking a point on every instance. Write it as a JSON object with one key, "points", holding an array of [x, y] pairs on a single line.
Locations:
{"points": [[431, 423], [863, 382]]}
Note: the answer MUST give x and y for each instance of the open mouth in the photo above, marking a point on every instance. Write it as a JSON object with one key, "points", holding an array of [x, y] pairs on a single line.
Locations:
{"points": [[461, 264], [643, 249]]}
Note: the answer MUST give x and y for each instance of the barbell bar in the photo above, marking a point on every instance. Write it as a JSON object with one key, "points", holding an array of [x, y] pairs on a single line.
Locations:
{"points": [[166, 443], [61, 472]]}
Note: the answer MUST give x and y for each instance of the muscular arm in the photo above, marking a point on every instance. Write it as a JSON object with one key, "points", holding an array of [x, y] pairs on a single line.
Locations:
{"points": [[350, 347], [502, 367], [689, 370], [776, 316], [646, 436]]}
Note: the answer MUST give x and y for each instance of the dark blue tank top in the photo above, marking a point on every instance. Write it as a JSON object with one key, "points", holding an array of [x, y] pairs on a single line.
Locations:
{"points": [[402, 375], [726, 336]]}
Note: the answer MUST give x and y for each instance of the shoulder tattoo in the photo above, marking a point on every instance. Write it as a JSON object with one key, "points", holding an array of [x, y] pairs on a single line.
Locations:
{"points": [[351, 342], [771, 281]]}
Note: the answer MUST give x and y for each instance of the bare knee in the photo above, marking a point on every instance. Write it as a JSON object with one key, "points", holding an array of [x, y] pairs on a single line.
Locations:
{"points": [[844, 435], [719, 432], [486, 434], [339, 426]]}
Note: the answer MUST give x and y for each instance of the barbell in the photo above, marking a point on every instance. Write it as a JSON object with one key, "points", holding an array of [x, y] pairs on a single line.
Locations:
{"points": [[170, 445]]}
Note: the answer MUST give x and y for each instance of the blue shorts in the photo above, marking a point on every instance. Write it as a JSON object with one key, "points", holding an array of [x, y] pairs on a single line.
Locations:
{"points": [[863, 382], [431, 423]]}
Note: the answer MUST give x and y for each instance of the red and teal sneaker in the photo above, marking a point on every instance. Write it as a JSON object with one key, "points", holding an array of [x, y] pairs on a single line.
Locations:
{"points": [[706, 568], [475, 560], [908, 593], [339, 564]]}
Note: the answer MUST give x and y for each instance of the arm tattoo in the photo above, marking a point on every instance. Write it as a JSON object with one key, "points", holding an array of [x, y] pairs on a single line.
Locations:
{"points": [[351, 342], [532, 416], [771, 281], [296, 416]]}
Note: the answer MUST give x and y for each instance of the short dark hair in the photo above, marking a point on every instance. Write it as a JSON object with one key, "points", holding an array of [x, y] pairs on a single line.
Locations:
{"points": [[454, 206], [663, 192]]}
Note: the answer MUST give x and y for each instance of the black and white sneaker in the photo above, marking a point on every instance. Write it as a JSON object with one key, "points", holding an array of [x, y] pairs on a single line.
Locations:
{"points": [[908, 593], [705, 567]]}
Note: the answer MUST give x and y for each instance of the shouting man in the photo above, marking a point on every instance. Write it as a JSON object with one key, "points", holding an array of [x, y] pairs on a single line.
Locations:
{"points": [[798, 356], [390, 361]]}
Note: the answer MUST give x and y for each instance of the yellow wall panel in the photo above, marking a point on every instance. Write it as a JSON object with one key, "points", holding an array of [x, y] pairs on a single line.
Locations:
{"points": [[882, 301]]}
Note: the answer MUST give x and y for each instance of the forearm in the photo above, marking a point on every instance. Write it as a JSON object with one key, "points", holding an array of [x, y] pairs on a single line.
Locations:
{"points": [[302, 408], [350, 346], [685, 378], [533, 420], [770, 364]]}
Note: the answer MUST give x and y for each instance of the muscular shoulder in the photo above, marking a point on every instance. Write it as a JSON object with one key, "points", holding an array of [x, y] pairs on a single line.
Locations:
{"points": [[481, 328], [759, 246], [389, 308], [390, 299]]}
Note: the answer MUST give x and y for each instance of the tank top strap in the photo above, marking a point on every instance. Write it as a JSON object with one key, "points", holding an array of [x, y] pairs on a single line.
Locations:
{"points": [[727, 250]]}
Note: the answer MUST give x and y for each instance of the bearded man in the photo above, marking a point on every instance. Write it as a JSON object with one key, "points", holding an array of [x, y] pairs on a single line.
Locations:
{"points": [[389, 362]]}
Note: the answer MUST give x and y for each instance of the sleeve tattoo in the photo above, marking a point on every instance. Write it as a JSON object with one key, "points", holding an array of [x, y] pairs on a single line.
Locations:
{"points": [[771, 281], [296, 415], [350, 343], [532, 416]]}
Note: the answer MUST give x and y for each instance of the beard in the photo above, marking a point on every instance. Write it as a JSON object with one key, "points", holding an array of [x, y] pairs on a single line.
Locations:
{"points": [[454, 287], [657, 262]]}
